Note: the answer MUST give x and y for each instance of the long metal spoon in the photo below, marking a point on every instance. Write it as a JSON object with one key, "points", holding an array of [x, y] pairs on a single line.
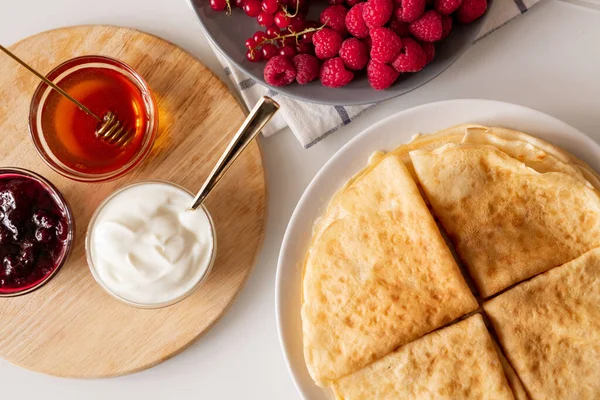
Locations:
{"points": [[109, 129], [262, 113]]}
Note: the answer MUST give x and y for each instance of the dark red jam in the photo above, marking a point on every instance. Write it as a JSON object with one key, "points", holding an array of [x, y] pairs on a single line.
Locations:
{"points": [[33, 233]]}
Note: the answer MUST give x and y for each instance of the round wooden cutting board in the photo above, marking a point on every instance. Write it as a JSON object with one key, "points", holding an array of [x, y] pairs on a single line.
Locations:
{"points": [[71, 327]]}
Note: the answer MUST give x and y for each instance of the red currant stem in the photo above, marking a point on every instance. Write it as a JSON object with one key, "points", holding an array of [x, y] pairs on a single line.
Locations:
{"points": [[228, 12], [295, 13], [295, 35]]}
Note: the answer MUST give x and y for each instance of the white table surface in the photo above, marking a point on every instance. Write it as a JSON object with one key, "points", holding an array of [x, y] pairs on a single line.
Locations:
{"points": [[548, 59]]}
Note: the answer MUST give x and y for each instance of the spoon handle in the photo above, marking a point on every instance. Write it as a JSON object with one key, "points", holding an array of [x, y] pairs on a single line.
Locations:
{"points": [[262, 113]]}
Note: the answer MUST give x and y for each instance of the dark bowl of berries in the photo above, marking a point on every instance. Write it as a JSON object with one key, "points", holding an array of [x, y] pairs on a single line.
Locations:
{"points": [[36, 231], [342, 52]]}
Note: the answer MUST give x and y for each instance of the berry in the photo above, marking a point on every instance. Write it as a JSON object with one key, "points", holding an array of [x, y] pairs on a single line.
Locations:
{"points": [[281, 20], [268, 51], [397, 25], [272, 31], [253, 55], [264, 19], [386, 45], [218, 5], [355, 22], [447, 6], [305, 48], [410, 10], [259, 37], [429, 49], [252, 8], [470, 10], [381, 76], [269, 6], [43, 218], [446, 25], [279, 71], [240, 3], [250, 43], [354, 53], [334, 74], [43, 235], [377, 12], [62, 231], [287, 51], [335, 18], [306, 37], [352, 3], [327, 43], [334, 2], [428, 28], [307, 68], [297, 23], [412, 57]]}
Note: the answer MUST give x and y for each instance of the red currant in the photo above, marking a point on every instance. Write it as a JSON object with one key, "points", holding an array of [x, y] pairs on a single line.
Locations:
{"points": [[272, 31], [250, 43], [240, 3], [283, 41], [268, 51], [306, 37], [270, 6], [305, 48], [253, 55], [259, 37], [287, 51], [218, 5], [264, 19], [297, 23], [252, 8], [282, 20]]}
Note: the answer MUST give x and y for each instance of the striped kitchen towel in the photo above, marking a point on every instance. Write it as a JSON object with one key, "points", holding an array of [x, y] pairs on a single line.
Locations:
{"points": [[312, 122]]}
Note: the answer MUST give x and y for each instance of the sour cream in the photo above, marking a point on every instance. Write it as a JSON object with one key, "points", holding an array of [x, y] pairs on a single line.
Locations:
{"points": [[145, 248]]}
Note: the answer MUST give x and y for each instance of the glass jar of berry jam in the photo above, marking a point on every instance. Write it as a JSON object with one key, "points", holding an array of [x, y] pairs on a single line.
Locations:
{"points": [[65, 136], [36, 231]]}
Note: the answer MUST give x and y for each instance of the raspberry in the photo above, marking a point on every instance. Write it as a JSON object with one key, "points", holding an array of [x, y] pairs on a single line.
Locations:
{"points": [[470, 10], [335, 18], [429, 49], [399, 26], [354, 53], [279, 71], [380, 75], [410, 10], [377, 12], [446, 25], [334, 74], [307, 68], [447, 6], [412, 57], [428, 28], [352, 3], [386, 45], [327, 43], [355, 22]]}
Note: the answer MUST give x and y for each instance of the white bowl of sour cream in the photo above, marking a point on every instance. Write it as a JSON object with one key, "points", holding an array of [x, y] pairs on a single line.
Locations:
{"points": [[145, 249]]}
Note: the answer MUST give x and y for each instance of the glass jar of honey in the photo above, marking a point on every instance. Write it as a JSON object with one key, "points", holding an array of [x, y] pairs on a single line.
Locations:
{"points": [[65, 136]]}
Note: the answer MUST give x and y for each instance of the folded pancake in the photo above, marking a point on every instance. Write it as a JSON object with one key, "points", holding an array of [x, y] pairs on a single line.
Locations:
{"points": [[456, 362], [549, 329], [377, 275], [508, 221]]}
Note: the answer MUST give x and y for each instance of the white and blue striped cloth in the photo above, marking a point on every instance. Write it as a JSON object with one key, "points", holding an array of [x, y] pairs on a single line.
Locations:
{"points": [[312, 122]]}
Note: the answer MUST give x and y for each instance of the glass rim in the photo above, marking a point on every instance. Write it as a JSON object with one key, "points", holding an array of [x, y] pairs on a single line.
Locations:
{"points": [[70, 225], [90, 261], [67, 67]]}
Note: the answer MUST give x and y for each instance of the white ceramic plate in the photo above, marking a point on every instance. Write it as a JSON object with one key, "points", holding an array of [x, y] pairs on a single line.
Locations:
{"points": [[387, 135]]}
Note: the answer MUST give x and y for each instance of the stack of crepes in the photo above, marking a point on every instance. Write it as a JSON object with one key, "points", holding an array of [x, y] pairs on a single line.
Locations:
{"points": [[387, 312]]}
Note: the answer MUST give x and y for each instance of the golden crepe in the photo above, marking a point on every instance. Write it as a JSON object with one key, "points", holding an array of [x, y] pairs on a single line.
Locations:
{"points": [[508, 219], [456, 362], [549, 328], [377, 275]]}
